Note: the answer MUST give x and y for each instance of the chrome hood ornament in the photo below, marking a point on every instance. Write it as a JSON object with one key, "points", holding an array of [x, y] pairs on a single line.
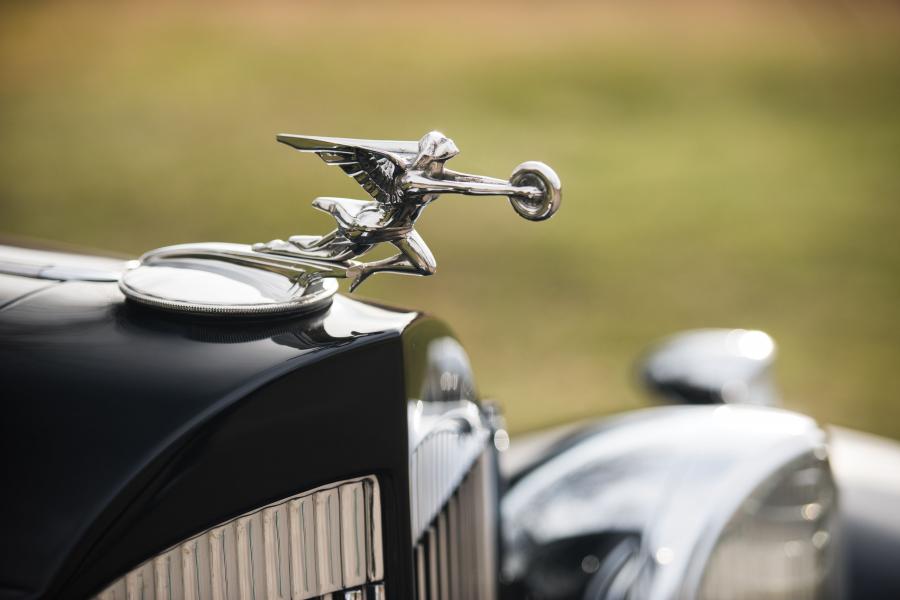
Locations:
{"points": [[299, 274]]}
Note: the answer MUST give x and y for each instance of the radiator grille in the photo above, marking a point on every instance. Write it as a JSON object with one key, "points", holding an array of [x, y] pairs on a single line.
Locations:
{"points": [[306, 546], [455, 557]]}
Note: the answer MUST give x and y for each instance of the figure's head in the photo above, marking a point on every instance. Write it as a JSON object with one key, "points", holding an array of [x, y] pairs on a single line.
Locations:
{"points": [[435, 146]]}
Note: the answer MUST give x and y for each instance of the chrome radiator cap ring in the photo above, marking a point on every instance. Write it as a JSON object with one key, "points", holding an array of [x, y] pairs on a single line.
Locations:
{"points": [[224, 279]]}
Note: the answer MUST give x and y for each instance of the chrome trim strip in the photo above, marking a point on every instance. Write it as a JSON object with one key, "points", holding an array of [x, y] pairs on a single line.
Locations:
{"points": [[318, 542]]}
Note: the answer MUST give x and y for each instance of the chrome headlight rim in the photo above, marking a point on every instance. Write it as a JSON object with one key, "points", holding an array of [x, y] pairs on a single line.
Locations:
{"points": [[767, 479]]}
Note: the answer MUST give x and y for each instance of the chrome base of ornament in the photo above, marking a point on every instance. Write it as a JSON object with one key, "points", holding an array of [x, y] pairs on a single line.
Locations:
{"points": [[227, 279]]}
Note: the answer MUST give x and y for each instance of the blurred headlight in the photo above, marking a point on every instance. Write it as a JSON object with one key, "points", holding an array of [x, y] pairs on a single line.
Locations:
{"points": [[779, 543], [709, 502]]}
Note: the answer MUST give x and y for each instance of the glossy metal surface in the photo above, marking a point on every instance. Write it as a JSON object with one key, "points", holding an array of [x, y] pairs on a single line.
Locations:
{"points": [[441, 460], [453, 479], [311, 544], [61, 266], [709, 366], [670, 478], [225, 279], [13, 288], [402, 178], [298, 276], [447, 431]]}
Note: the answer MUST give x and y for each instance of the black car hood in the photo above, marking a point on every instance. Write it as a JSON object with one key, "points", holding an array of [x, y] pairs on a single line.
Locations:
{"points": [[95, 389]]}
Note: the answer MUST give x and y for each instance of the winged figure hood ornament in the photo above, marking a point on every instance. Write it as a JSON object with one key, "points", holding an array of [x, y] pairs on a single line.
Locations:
{"points": [[402, 178]]}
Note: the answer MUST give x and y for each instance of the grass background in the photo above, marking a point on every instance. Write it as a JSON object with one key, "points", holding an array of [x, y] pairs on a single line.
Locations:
{"points": [[725, 164]]}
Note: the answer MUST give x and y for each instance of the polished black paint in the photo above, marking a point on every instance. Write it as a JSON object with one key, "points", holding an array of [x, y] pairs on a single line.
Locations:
{"points": [[14, 287], [127, 429]]}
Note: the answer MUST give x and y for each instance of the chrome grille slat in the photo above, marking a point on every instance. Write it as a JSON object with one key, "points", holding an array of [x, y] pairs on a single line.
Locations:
{"points": [[328, 541], [311, 545], [353, 529], [432, 550], [374, 551], [275, 540], [470, 563], [304, 578], [421, 580], [454, 544], [443, 556], [217, 568]]}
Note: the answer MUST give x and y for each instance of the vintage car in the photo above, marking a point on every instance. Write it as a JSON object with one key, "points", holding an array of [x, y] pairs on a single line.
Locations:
{"points": [[215, 421]]}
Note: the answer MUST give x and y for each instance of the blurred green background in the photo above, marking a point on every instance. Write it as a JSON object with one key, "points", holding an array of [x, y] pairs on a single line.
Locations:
{"points": [[725, 164]]}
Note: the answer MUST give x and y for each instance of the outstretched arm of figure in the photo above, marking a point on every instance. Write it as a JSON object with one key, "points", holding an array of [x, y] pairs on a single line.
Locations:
{"points": [[470, 185]]}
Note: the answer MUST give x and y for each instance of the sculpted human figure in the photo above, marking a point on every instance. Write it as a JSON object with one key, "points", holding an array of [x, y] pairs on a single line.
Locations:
{"points": [[300, 274], [402, 178]]}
